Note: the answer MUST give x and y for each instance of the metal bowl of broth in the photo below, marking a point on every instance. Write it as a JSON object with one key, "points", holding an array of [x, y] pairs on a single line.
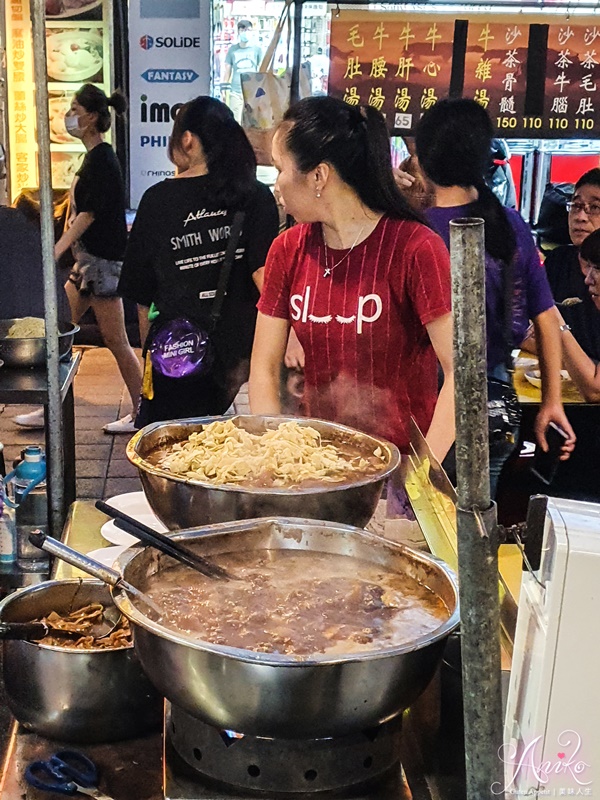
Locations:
{"points": [[181, 503], [274, 695]]}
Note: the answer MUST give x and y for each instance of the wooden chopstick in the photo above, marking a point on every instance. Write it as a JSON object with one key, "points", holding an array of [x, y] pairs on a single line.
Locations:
{"points": [[164, 543]]}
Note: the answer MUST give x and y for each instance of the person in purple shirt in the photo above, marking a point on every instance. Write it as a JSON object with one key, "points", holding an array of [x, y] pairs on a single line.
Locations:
{"points": [[453, 146]]}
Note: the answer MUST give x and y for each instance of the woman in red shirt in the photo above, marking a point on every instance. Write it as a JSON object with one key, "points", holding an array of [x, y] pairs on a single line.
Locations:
{"points": [[362, 280]]}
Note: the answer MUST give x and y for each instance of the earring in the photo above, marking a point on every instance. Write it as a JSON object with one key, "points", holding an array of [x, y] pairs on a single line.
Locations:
{"points": [[318, 194]]}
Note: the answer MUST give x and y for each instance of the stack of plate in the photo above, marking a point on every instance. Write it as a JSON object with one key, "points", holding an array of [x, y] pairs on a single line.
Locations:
{"points": [[136, 505]]}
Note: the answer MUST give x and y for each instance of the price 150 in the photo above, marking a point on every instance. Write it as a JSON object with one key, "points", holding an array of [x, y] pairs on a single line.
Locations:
{"points": [[506, 122]]}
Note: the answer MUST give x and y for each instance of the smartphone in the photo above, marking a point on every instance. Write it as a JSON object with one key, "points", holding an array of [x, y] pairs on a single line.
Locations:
{"points": [[545, 464]]}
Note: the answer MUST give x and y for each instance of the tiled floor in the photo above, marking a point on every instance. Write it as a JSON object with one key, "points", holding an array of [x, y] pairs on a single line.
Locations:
{"points": [[100, 397]]}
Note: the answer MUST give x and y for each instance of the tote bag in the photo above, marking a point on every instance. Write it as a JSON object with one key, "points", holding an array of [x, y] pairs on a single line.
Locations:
{"points": [[267, 96]]}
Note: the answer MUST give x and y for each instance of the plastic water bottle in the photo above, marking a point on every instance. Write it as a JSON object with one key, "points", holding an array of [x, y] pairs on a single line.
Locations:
{"points": [[8, 530], [29, 472]]}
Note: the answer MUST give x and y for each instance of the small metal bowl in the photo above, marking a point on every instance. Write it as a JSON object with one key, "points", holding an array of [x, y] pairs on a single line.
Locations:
{"points": [[31, 351], [181, 502], [68, 694]]}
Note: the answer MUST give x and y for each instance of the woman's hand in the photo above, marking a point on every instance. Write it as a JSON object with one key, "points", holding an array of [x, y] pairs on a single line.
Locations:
{"points": [[404, 180], [554, 413], [294, 353]]}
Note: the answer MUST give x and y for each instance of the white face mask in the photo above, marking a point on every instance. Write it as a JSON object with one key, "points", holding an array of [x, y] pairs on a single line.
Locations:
{"points": [[244, 37], [72, 126]]}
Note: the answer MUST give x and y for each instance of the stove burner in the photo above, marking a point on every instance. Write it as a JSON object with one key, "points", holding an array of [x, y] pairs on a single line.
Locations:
{"points": [[256, 764]]}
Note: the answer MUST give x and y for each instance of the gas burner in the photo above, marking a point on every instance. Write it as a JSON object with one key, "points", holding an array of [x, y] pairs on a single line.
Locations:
{"points": [[204, 763]]}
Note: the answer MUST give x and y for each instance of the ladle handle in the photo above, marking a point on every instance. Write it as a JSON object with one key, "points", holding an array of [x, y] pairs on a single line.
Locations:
{"points": [[79, 560], [23, 630]]}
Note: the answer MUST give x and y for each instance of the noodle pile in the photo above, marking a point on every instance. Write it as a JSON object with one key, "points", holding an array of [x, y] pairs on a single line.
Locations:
{"points": [[288, 455], [65, 628], [27, 328]]}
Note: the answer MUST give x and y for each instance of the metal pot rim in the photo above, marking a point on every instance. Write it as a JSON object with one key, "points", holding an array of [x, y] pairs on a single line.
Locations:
{"points": [[142, 464], [124, 604], [40, 587]]}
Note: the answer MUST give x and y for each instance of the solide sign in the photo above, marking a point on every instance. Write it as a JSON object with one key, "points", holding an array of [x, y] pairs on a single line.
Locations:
{"points": [[169, 64]]}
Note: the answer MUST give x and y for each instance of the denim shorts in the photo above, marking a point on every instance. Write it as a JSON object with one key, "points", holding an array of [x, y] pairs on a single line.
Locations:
{"points": [[94, 275]]}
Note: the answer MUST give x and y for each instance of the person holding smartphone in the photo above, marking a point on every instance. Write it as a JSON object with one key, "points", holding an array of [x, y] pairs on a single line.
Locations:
{"points": [[578, 478]]}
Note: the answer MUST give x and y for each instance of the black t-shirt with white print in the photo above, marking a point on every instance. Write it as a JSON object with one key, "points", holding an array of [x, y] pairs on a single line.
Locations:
{"points": [[176, 250]]}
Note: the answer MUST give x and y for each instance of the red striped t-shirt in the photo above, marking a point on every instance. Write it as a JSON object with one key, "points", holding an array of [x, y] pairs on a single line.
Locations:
{"points": [[369, 361]]}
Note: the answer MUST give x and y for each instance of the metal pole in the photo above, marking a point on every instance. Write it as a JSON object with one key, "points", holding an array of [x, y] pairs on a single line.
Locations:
{"points": [[297, 53], [476, 516], [54, 421]]}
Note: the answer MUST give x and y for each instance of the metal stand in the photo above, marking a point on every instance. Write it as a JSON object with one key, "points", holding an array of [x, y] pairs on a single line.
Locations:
{"points": [[53, 416]]}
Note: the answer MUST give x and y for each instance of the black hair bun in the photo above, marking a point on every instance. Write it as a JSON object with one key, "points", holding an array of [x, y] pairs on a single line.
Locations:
{"points": [[118, 102]]}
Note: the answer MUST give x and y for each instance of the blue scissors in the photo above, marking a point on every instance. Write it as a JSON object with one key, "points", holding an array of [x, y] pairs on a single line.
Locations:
{"points": [[66, 772]]}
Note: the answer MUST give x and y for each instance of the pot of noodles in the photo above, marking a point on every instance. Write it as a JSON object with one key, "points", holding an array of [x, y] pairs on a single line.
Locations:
{"points": [[23, 342], [71, 685], [326, 629], [217, 469]]}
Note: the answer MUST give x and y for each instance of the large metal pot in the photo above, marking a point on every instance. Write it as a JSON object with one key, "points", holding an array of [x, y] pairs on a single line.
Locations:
{"points": [[74, 695], [273, 695], [31, 351], [183, 503]]}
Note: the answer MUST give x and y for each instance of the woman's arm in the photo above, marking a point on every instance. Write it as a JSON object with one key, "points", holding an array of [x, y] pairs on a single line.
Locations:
{"points": [[270, 340], [294, 353], [143, 322], [441, 432], [547, 336], [582, 369], [80, 225]]}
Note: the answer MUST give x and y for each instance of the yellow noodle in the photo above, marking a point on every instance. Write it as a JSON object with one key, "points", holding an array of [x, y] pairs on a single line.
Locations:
{"points": [[27, 328], [224, 453]]}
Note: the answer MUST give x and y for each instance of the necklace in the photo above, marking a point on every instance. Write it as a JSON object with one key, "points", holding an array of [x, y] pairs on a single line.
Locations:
{"points": [[329, 270]]}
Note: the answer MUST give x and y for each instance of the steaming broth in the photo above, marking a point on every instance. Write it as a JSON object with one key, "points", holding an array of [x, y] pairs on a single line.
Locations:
{"points": [[298, 603]]}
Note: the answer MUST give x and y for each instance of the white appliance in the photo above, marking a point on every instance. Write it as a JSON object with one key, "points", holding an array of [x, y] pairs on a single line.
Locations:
{"points": [[552, 733]]}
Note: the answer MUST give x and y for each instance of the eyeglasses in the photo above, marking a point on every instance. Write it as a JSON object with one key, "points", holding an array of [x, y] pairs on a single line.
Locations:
{"points": [[590, 209]]}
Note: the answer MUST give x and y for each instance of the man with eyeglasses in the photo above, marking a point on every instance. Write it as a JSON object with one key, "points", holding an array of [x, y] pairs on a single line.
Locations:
{"points": [[567, 272]]}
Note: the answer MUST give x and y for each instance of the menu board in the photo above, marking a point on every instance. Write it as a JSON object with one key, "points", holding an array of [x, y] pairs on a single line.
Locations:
{"points": [[77, 52], [536, 76], [400, 69], [496, 72], [21, 97]]}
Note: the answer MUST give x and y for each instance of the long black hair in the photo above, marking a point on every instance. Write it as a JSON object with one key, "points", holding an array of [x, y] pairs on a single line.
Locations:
{"points": [[454, 140], [229, 155], [355, 141], [93, 99], [590, 249]]}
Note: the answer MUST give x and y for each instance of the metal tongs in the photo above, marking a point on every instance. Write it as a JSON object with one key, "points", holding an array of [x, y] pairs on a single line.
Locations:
{"points": [[164, 543]]}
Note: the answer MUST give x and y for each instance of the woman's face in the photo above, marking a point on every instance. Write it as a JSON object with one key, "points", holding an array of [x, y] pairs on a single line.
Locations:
{"points": [[592, 281], [296, 189], [84, 117]]}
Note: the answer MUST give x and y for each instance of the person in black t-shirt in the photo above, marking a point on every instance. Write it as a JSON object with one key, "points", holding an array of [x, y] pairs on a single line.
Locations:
{"points": [[566, 273], [176, 250], [97, 234]]}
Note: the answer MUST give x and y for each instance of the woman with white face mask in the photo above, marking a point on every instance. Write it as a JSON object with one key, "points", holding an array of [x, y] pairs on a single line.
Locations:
{"points": [[97, 234]]}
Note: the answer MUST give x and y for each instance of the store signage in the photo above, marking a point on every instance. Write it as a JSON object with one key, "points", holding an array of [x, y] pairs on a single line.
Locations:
{"points": [[170, 42], [170, 75], [158, 92], [21, 98], [537, 76]]}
